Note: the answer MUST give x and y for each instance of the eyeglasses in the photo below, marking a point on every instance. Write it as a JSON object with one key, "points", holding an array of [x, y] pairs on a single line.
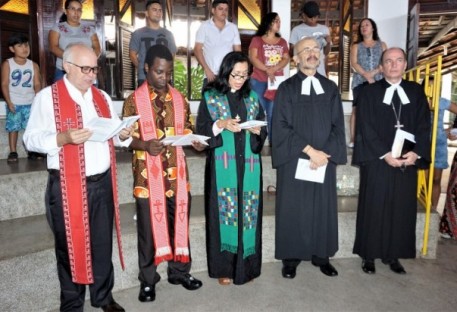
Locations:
{"points": [[239, 77], [309, 50], [86, 69]]}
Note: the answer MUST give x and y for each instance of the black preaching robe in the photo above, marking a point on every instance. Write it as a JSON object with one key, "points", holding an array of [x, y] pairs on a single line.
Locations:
{"points": [[306, 212], [227, 264], [387, 207]]}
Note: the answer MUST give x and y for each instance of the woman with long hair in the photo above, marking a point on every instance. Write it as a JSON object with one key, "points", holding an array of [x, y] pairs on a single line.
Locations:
{"points": [[71, 30], [269, 54], [365, 57], [233, 173]]}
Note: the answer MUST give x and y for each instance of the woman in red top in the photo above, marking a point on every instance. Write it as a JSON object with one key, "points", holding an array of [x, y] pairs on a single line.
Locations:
{"points": [[269, 53]]}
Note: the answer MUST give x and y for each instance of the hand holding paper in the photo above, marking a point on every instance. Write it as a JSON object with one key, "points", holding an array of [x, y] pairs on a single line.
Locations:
{"points": [[252, 123], [306, 173], [404, 142], [105, 128], [185, 140]]}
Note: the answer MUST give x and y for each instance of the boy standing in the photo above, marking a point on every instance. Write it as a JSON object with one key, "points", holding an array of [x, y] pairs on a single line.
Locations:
{"points": [[21, 80]]}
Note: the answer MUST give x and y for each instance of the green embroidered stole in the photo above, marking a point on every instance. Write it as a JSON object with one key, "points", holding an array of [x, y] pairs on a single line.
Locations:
{"points": [[227, 178]]}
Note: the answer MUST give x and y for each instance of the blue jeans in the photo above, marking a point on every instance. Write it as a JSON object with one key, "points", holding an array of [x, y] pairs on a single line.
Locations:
{"points": [[260, 87]]}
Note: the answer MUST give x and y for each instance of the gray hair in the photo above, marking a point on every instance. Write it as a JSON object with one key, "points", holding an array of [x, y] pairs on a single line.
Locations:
{"points": [[68, 53]]}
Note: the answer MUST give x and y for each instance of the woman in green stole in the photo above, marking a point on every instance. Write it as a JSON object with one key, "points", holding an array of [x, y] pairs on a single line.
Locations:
{"points": [[233, 174]]}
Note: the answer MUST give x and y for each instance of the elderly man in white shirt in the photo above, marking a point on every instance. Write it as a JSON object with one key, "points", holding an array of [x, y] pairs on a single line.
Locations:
{"points": [[81, 195]]}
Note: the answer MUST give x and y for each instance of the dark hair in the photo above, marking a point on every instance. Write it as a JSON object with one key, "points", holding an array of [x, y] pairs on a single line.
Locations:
{"points": [[310, 9], [148, 3], [217, 2], [221, 84], [63, 17], [157, 51], [17, 38], [375, 30], [266, 23]]}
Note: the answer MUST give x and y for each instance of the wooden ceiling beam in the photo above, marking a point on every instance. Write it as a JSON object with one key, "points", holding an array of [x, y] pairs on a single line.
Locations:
{"points": [[437, 8], [441, 34]]}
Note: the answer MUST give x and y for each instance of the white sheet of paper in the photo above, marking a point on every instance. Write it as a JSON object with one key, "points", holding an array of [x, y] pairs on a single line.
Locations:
{"points": [[184, 140], [400, 137], [275, 84], [304, 172], [252, 123], [105, 128]]}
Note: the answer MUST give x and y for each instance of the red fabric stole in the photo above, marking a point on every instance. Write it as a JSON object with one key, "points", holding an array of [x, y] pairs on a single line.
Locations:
{"points": [[73, 183], [156, 187]]}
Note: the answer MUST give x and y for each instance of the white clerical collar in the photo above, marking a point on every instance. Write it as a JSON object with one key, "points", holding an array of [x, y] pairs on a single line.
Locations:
{"points": [[390, 93], [306, 86]]}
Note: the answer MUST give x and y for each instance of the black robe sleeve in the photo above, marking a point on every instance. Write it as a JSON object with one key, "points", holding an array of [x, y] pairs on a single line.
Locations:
{"points": [[375, 122], [423, 127], [299, 120], [258, 140], [205, 127], [336, 142], [368, 145], [287, 144]]}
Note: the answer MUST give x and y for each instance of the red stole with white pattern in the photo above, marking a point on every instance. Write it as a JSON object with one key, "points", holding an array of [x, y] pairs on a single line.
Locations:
{"points": [[73, 182], [156, 185]]}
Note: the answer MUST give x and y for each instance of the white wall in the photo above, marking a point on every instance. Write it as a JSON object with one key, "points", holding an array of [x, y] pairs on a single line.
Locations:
{"points": [[282, 7], [391, 17]]}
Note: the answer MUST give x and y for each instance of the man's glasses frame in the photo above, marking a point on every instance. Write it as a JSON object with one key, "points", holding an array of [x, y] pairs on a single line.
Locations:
{"points": [[86, 69], [308, 50]]}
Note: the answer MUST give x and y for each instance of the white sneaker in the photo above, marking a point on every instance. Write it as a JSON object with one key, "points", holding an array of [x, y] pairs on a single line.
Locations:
{"points": [[351, 144], [134, 217], [445, 236]]}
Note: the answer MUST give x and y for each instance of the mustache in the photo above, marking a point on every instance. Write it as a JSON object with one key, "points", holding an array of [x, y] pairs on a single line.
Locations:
{"points": [[312, 57]]}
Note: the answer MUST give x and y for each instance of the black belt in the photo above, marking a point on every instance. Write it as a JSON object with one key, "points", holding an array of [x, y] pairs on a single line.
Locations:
{"points": [[92, 178]]}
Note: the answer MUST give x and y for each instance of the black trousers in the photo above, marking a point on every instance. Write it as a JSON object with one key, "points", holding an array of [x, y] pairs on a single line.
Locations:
{"points": [[101, 212], [148, 270]]}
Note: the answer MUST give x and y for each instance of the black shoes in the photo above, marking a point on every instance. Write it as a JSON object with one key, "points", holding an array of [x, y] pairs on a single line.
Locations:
{"points": [[113, 306], [396, 267], [327, 269], [368, 266], [288, 271], [147, 293], [187, 281]]}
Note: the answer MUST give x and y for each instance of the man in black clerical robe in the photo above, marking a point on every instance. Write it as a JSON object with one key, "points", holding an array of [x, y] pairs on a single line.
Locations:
{"points": [[387, 207], [308, 124]]}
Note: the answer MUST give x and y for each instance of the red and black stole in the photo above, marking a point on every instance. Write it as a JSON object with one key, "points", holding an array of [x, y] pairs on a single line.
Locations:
{"points": [[156, 185], [73, 182]]}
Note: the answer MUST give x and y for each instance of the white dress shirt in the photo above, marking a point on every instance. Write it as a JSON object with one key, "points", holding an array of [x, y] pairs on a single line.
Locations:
{"points": [[41, 134]]}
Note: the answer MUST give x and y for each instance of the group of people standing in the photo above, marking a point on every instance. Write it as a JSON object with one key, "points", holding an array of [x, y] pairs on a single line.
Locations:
{"points": [[305, 129]]}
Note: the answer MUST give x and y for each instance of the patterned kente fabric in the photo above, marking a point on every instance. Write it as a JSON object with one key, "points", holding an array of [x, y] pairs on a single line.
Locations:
{"points": [[163, 110], [227, 179]]}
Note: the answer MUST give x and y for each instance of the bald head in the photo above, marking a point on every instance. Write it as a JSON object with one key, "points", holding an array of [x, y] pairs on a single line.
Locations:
{"points": [[74, 49], [80, 64], [393, 64], [298, 47], [307, 54]]}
